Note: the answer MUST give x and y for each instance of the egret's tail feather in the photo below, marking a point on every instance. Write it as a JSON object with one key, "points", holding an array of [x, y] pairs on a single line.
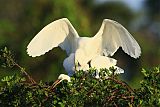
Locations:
{"points": [[118, 70]]}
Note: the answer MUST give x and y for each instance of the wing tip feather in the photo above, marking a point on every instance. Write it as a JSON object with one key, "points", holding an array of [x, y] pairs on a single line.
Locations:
{"points": [[32, 54]]}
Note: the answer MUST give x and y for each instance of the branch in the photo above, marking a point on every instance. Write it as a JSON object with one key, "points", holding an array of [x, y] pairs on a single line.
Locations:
{"points": [[7, 55], [25, 73], [122, 83]]}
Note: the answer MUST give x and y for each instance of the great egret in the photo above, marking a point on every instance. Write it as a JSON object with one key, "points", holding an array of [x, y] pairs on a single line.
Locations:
{"points": [[100, 62], [82, 50], [61, 78]]}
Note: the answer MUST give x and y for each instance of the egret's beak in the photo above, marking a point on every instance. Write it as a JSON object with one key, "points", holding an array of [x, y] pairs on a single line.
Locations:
{"points": [[55, 83]]}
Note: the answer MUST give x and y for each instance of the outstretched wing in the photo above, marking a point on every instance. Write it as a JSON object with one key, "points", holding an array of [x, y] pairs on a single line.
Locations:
{"points": [[58, 33], [113, 36]]}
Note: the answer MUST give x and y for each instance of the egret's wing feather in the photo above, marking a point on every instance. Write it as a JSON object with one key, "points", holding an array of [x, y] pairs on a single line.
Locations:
{"points": [[58, 33], [114, 35]]}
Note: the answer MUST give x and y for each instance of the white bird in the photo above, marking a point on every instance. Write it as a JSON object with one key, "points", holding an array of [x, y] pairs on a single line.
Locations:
{"points": [[100, 62], [82, 50], [61, 78]]}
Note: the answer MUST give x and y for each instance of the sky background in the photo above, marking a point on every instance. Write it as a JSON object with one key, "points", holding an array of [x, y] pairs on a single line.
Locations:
{"points": [[133, 4]]}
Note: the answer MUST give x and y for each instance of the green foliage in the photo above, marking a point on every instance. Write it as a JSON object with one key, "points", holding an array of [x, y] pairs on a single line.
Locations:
{"points": [[6, 58], [83, 90], [149, 93]]}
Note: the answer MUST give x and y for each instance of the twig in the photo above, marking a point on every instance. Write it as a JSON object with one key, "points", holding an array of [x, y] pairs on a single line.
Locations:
{"points": [[22, 70], [26, 74], [81, 85], [90, 91], [115, 104], [122, 83], [111, 98]]}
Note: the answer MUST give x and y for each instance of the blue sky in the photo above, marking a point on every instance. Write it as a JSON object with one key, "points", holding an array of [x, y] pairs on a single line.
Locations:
{"points": [[134, 4]]}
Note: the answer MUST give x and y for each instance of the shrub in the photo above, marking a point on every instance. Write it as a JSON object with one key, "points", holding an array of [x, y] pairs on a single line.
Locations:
{"points": [[83, 90]]}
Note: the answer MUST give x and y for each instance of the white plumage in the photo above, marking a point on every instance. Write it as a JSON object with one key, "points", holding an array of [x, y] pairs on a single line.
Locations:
{"points": [[100, 62], [82, 50], [64, 77], [69, 64]]}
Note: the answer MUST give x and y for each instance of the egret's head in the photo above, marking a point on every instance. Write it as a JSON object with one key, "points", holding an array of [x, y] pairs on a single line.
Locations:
{"points": [[61, 78], [64, 77]]}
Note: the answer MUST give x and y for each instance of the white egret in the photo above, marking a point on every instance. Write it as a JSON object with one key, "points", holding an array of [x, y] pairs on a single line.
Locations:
{"points": [[82, 50], [61, 78], [100, 62]]}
